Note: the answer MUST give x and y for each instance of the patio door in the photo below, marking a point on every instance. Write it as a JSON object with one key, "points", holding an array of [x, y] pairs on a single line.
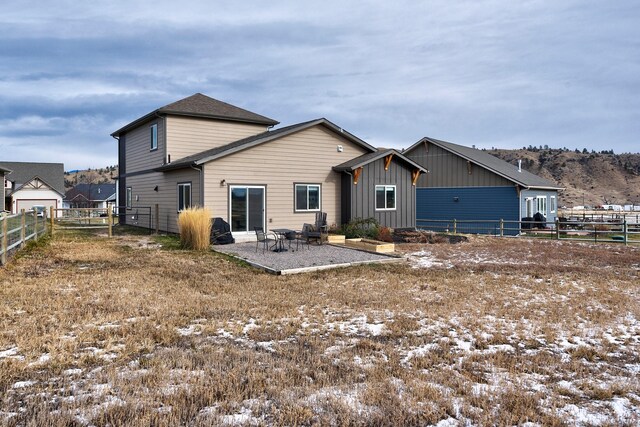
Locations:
{"points": [[246, 208]]}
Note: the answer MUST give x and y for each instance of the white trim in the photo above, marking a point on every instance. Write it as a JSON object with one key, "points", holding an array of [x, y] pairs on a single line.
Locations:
{"points": [[553, 206], [264, 208], [184, 185], [295, 197], [154, 136], [386, 188]]}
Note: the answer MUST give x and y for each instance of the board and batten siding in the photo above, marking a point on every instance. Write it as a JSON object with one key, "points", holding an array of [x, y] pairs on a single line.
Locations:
{"points": [[304, 157], [139, 156], [447, 169], [189, 135], [142, 187], [363, 194]]}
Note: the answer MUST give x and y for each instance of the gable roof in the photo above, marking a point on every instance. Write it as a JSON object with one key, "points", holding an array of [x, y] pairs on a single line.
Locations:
{"points": [[355, 163], [199, 105], [91, 192], [491, 163], [23, 172], [3, 170], [261, 138]]}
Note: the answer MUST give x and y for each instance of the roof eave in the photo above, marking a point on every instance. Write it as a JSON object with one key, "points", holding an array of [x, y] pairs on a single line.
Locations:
{"points": [[266, 121]]}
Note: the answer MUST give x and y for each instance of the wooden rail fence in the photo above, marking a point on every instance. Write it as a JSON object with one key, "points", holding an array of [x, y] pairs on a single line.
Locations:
{"points": [[17, 229]]}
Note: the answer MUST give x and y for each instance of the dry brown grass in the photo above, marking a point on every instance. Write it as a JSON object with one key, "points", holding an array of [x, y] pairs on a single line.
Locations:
{"points": [[195, 228], [108, 332]]}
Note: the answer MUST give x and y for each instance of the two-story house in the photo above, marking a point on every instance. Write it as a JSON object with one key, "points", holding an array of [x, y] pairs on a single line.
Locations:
{"points": [[199, 151], [29, 184]]}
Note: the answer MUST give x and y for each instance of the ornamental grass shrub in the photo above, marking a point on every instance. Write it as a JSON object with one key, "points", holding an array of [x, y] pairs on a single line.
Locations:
{"points": [[194, 225]]}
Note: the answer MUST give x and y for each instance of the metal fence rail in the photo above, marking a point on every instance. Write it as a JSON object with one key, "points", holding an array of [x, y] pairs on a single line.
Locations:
{"points": [[17, 229], [594, 231]]}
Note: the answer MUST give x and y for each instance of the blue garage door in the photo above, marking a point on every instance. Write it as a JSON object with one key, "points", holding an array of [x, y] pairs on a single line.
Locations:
{"points": [[476, 204]]}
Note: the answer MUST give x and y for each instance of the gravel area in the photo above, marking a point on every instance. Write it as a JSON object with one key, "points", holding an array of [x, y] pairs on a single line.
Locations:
{"points": [[306, 258]]}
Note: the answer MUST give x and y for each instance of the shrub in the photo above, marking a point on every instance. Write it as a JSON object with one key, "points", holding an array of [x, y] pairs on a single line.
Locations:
{"points": [[367, 228], [384, 235], [195, 228]]}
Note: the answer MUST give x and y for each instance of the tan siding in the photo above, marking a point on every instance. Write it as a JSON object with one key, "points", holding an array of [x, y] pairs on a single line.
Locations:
{"points": [[447, 169], [188, 135], [138, 144], [303, 157], [166, 197]]}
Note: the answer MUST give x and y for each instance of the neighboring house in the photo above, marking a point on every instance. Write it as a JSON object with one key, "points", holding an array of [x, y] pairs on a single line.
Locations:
{"points": [[203, 152], [468, 184], [90, 196], [33, 184], [5, 184]]}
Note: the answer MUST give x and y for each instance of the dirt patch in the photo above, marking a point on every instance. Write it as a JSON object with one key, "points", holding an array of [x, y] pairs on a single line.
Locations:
{"points": [[423, 236]]}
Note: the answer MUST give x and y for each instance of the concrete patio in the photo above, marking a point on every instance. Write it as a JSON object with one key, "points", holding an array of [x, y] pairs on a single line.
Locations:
{"points": [[305, 259]]}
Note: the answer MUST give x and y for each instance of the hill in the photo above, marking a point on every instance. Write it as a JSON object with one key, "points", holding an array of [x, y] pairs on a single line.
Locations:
{"points": [[588, 178], [104, 175]]}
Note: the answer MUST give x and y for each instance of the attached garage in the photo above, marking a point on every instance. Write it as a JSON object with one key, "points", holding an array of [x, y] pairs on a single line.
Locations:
{"points": [[33, 184]]}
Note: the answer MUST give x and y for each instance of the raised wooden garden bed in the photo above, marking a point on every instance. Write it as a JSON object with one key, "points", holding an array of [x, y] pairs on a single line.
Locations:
{"points": [[336, 239], [370, 245]]}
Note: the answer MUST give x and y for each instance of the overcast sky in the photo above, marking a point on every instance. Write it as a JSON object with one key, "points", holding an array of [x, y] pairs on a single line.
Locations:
{"points": [[486, 73]]}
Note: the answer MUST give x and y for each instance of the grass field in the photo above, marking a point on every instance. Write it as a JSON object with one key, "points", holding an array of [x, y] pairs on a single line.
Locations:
{"points": [[132, 331]]}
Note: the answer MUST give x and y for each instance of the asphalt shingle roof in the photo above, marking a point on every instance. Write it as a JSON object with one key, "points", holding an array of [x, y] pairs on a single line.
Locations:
{"points": [[199, 105], [492, 163], [23, 172], [91, 191]]}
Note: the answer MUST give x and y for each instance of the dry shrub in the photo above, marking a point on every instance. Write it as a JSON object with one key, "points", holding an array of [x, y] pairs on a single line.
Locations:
{"points": [[195, 228]]}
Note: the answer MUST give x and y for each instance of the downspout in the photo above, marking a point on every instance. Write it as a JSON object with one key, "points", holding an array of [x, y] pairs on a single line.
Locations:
{"points": [[201, 195]]}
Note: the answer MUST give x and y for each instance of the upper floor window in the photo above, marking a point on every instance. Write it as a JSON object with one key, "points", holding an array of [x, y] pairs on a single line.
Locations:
{"points": [[184, 196], [385, 197], [154, 137], [307, 197]]}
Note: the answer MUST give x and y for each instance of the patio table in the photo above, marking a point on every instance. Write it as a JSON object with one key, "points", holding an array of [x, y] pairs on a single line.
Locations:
{"points": [[281, 235]]}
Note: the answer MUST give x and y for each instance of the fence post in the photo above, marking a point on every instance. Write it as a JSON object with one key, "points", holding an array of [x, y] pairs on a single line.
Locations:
{"points": [[557, 229], [455, 226], [110, 233], [625, 231], [501, 227], [157, 218], [23, 227], [35, 225], [3, 245], [51, 218]]}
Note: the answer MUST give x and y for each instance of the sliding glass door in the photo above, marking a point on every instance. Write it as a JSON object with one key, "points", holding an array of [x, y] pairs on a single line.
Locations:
{"points": [[246, 210]]}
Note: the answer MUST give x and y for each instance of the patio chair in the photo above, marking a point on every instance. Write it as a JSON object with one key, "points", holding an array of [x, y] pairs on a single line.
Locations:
{"points": [[309, 233], [295, 236], [321, 226], [261, 237]]}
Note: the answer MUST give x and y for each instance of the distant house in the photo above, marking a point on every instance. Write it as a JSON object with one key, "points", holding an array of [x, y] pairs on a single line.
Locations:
{"points": [[203, 152], [33, 184], [3, 171], [465, 183], [90, 196]]}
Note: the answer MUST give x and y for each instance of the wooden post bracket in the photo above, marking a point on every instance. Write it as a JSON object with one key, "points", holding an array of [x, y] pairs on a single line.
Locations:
{"points": [[414, 176], [387, 161], [356, 175]]}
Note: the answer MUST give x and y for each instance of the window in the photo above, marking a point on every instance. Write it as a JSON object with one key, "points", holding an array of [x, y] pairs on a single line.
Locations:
{"points": [[385, 197], [307, 197], [541, 203], [552, 204], [184, 196], [154, 137], [129, 197]]}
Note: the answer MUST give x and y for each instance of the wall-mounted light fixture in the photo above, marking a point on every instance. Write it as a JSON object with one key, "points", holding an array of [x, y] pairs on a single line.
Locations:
{"points": [[456, 199], [223, 182], [155, 188]]}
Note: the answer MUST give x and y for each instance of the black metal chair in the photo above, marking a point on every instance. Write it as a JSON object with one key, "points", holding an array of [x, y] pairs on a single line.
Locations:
{"points": [[261, 237], [309, 233], [295, 236]]}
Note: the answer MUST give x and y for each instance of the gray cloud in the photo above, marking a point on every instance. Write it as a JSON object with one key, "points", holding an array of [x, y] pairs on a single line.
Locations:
{"points": [[491, 73]]}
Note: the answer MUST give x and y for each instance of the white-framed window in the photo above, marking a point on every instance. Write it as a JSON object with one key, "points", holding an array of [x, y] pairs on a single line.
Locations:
{"points": [[541, 205], [552, 204], [184, 195], [129, 197], [307, 197], [529, 206], [385, 197], [154, 136]]}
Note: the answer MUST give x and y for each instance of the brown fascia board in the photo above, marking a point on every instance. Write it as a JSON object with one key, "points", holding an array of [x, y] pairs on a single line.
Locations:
{"points": [[378, 156]]}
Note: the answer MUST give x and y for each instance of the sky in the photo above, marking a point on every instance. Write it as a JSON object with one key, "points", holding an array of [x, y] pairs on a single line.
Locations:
{"points": [[493, 73]]}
